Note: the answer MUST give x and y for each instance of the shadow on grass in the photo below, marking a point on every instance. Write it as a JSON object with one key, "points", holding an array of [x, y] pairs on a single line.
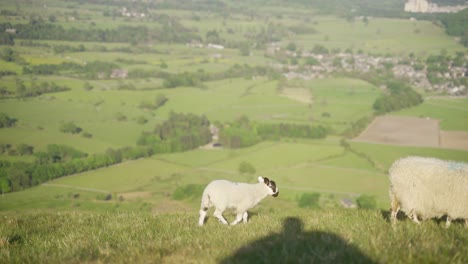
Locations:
{"points": [[293, 245]]}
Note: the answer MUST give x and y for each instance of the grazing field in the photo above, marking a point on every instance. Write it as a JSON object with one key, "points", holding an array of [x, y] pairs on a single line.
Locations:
{"points": [[317, 166], [379, 35], [99, 98], [300, 236], [451, 112]]}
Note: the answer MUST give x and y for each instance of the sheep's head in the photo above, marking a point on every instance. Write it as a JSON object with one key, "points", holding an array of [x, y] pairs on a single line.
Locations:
{"points": [[274, 191]]}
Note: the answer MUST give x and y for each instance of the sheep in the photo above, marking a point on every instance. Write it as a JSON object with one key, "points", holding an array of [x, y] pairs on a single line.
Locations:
{"points": [[225, 194], [429, 188]]}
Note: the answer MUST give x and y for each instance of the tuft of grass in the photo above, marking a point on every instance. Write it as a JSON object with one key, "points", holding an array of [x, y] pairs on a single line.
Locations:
{"points": [[292, 236]]}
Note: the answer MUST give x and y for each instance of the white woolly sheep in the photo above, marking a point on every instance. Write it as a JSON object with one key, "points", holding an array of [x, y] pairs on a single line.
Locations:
{"points": [[429, 188], [225, 194]]}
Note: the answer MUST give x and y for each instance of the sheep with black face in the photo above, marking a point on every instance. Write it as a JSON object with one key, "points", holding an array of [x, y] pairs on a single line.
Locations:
{"points": [[223, 194]]}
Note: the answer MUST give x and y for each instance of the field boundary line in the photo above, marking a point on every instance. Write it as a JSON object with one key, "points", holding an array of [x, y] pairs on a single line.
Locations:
{"points": [[74, 187], [448, 106]]}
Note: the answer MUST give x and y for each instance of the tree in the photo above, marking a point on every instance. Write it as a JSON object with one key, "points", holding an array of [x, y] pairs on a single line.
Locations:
{"points": [[87, 86], [4, 185], [212, 36], [120, 117], [311, 61], [291, 46], [70, 127], [319, 49], [24, 149], [400, 96], [18, 177], [161, 99], [8, 54], [6, 121], [6, 39], [179, 133], [366, 202], [247, 168]]}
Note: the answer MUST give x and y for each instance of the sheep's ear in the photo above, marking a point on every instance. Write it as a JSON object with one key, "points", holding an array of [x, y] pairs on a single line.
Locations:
{"points": [[266, 180], [260, 179]]}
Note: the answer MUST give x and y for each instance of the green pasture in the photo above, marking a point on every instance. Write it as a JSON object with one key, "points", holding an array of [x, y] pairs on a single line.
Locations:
{"points": [[346, 100], [96, 111], [385, 155], [451, 112], [39, 119], [380, 36], [11, 67], [298, 166], [126, 177], [302, 236]]}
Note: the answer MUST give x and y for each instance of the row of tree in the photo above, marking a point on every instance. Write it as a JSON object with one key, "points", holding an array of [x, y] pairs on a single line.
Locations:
{"points": [[399, 96], [6, 121], [455, 25], [60, 161], [20, 149], [100, 69], [159, 101], [39, 30], [90, 70], [35, 89], [180, 132], [244, 133]]}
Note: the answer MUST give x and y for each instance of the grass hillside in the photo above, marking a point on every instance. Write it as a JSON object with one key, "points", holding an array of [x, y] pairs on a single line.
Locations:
{"points": [[298, 167], [274, 236], [91, 171]]}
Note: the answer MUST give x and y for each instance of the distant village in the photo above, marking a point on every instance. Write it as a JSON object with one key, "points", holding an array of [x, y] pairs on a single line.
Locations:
{"points": [[327, 64], [423, 6], [363, 63]]}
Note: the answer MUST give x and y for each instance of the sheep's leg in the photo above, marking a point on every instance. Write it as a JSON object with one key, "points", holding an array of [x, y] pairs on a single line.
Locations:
{"points": [[201, 220], [244, 217], [239, 218], [448, 222], [219, 214], [414, 217], [466, 223], [395, 208]]}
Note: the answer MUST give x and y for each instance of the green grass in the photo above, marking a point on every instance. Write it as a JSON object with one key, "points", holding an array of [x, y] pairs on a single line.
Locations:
{"points": [[380, 36], [345, 99], [69, 220], [299, 236], [298, 166], [452, 113], [385, 155]]}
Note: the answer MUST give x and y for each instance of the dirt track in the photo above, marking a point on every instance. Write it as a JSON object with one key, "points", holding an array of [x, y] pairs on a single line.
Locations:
{"points": [[412, 131]]}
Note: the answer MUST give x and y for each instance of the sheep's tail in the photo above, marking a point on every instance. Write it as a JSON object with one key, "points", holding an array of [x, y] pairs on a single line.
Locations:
{"points": [[205, 202]]}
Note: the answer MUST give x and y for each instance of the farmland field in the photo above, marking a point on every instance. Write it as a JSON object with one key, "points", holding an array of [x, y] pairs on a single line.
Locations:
{"points": [[111, 111], [115, 114]]}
